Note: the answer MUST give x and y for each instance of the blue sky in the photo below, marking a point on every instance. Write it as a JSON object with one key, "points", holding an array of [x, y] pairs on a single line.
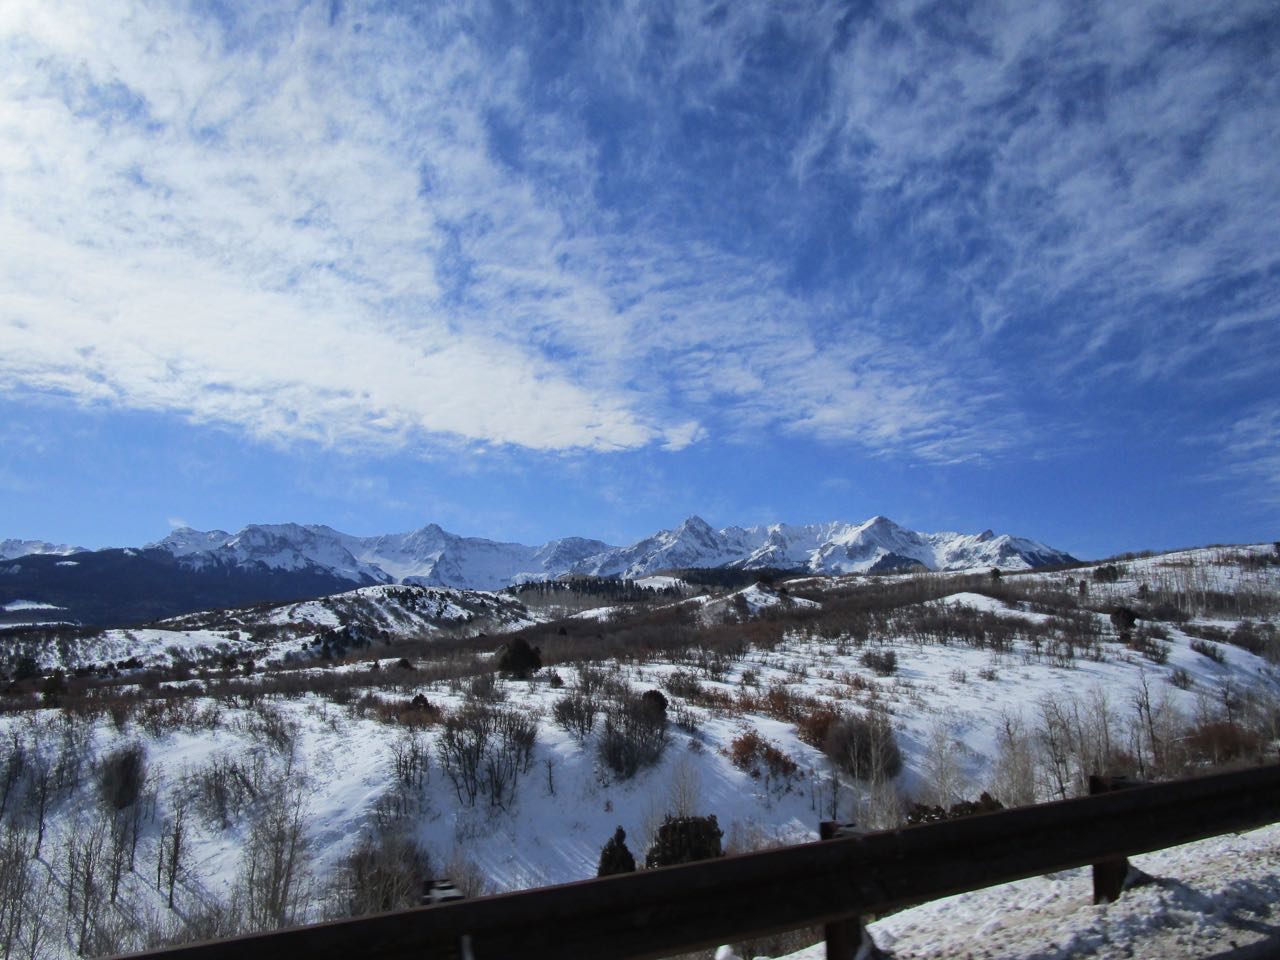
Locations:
{"points": [[530, 270]]}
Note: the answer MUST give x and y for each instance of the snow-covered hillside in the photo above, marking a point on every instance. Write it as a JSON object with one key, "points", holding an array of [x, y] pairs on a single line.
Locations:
{"points": [[434, 557], [845, 699], [276, 633]]}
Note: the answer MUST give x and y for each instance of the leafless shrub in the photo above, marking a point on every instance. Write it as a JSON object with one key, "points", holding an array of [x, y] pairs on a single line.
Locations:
{"points": [[634, 736], [944, 781], [684, 791], [462, 746], [684, 718], [271, 889], [1156, 734], [25, 892], [813, 724], [864, 746], [171, 851], [575, 713], [163, 715], [1014, 773], [684, 683], [394, 808], [485, 686], [69, 765], [39, 796], [1222, 741], [465, 874], [269, 725], [1260, 638], [1149, 644], [84, 852], [883, 662], [14, 768], [1207, 648], [592, 681], [225, 785], [208, 717], [509, 755], [410, 759], [386, 871], [485, 750], [121, 713], [758, 757]]}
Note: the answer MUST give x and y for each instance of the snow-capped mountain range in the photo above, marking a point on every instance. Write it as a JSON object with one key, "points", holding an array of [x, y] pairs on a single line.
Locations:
{"points": [[432, 556], [192, 570]]}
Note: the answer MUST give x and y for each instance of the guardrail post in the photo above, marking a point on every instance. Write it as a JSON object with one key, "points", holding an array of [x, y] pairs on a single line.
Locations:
{"points": [[1111, 876], [846, 939]]}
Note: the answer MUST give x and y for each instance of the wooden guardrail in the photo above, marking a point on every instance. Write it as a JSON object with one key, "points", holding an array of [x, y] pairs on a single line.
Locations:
{"points": [[655, 913]]}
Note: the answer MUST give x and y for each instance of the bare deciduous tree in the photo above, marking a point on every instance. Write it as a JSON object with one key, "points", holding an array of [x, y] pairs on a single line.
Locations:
{"points": [[85, 858], [271, 890], [172, 851], [685, 789], [1014, 772], [943, 776], [384, 872], [15, 766], [486, 750]]}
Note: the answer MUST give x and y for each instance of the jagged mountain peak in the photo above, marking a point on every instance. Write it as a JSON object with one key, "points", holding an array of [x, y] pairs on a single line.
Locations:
{"points": [[695, 524], [879, 522], [185, 539]]}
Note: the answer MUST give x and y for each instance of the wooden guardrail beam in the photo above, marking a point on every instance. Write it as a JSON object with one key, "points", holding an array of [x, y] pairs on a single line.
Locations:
{"points": [[654, 913]]}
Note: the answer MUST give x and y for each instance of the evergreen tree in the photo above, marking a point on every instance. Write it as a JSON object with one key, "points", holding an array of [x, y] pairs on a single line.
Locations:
{"points": [[615, 857]]}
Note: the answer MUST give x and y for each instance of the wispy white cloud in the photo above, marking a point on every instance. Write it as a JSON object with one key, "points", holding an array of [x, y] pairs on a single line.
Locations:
{"points": [[641, 227], [249, 245], [310, 234], [1108, 168], [1250, 452]]}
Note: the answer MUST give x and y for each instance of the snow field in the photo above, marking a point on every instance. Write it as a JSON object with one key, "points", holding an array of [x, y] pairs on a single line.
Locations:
{"points": [[1210, 898], [948, 705], [934, 688]]}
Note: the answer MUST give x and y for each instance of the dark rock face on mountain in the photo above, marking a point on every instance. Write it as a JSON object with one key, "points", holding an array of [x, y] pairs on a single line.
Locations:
{"points": [[122, 587]]}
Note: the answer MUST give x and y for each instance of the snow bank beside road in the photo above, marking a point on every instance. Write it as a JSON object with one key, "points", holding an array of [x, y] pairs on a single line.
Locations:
{"points": [[1209, 897]]}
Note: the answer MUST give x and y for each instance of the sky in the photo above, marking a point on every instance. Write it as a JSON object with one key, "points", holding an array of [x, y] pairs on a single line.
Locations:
{"points": [[547, 269]]}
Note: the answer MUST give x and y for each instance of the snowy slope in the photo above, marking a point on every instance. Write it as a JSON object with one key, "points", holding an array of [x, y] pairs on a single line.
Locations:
{"points": [[567, 804], [276, 632], [950, 705], [1216, 897]]}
